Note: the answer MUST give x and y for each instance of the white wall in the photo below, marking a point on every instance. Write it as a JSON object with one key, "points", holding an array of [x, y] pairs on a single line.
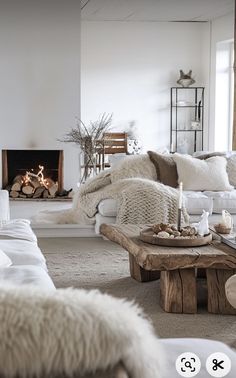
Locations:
{"points": [[40, 76], [128, 68], [222, 29]]}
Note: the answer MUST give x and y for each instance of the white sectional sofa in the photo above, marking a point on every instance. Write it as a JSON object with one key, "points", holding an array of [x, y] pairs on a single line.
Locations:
{"points": [[19, 243], [195, 202], [29, 267]]}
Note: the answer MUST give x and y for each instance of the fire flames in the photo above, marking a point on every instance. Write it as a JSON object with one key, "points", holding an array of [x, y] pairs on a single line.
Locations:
{"points": [[30, 177]]}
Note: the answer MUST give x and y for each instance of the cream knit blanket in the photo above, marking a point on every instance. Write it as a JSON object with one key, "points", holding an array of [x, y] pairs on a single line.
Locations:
{"points": [[140, 198]]}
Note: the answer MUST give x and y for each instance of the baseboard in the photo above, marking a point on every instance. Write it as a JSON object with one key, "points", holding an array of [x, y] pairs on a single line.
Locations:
{"points": [[64, 231]]}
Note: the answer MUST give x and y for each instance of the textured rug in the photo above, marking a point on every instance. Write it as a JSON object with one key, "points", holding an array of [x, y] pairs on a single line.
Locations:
{"points": [[95, 263]]}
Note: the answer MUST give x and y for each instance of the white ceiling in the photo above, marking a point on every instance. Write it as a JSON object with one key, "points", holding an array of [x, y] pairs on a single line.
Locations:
{"points": [[155, 10]]}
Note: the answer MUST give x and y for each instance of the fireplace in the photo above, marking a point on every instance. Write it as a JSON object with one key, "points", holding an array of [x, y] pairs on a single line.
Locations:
{"points": [[33, 173]]}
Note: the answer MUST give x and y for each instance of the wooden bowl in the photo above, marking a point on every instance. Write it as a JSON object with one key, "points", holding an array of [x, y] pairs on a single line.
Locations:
{"points": [[221, 229], [147, 235]]}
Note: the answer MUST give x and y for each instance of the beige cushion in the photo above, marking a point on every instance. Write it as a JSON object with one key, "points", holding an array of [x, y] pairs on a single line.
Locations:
{"points": [[165, 168], [196, 174], [230, 288]]}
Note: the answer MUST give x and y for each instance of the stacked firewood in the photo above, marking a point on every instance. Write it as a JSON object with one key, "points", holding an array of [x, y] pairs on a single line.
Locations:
{"points": [[22, 187]]}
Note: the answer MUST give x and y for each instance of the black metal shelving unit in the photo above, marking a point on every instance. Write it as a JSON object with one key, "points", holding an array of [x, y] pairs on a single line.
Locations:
{"points": [[187, 103]]}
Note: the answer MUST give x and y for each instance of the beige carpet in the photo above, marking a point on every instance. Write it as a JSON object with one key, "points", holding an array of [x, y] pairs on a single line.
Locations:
{"points": [[94, 263]]}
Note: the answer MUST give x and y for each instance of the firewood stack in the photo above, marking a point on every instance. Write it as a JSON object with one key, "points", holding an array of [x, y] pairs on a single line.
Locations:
{"points": [[33, 185]]}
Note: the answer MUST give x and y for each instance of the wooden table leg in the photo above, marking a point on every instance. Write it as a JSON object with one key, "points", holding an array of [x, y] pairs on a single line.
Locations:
{"points": [[140, 274], [179, 291], [217, 301]]}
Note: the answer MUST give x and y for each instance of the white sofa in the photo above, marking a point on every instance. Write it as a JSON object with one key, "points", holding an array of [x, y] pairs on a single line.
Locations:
{"points": [[19, 243], [29, 267], [195, 203]]}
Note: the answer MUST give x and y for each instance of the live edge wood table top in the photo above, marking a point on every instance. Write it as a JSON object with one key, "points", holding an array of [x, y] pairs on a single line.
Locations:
{"points": [[177, 269]]}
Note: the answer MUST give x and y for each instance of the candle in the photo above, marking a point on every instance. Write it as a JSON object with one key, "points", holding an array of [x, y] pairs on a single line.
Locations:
{"points": [[180, 195]]}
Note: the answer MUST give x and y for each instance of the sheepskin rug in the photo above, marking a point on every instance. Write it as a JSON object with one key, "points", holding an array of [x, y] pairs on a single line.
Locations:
{"points": [[71, 331]]}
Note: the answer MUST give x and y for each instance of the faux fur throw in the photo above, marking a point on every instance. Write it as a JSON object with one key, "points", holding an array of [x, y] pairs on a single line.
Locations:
{"points": [[141, 199], [73, 332]]}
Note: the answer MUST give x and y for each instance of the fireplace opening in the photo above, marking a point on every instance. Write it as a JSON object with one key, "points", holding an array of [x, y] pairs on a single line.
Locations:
{"points": [[33, 174]]}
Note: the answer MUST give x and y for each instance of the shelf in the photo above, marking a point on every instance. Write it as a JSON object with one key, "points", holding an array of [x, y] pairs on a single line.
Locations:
{"points": [[187, 87], [191, 101], [176, 130], [186, 106]]}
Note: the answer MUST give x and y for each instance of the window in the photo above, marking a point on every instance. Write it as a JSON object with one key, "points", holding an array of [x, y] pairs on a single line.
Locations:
{"points": [[224, 96]]}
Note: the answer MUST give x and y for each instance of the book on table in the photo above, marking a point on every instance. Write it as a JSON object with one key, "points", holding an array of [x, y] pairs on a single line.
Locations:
{"points": [[229, 239]]}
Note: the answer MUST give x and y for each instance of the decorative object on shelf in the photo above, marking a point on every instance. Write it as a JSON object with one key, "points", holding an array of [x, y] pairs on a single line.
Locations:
{"points": [[186, 119], [90, 140], [134, 147], [196, 123], [185, 80]]}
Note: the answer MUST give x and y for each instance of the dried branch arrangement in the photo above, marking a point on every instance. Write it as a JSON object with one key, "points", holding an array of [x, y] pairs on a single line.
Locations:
{"points": [[89, 138]]}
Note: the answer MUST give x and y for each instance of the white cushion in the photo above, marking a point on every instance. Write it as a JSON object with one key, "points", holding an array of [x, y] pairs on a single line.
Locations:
{"points": [[196, 174], [230, 288], [223, 201], [100, 219], [5, 261], [18, 229], [4, 206], [108, 207], [26, 274], [23, 252], [196, 202]]}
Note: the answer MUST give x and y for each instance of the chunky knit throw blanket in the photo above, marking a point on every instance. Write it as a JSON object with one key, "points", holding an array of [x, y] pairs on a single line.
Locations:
{"points": [[140, 198]]}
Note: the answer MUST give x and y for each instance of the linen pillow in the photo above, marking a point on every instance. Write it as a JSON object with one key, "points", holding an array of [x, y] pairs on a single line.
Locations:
{"points": [[231, 169], [165, 168], [5, 261], [202, 175]]}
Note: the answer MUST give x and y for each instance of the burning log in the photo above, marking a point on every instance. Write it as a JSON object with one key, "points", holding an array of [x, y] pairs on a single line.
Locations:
{"points": [[14, 194], [45, 193], [17, 183], [27, 189], [53, 189], [38, 192], [35, 185]]}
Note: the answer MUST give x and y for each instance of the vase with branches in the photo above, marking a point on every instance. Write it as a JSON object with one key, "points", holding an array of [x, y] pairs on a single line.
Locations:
{"points": [[90, 140]]}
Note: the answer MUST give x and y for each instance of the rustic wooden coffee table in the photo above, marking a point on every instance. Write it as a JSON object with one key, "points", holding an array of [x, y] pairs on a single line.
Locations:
{"points": [[176, 268]]}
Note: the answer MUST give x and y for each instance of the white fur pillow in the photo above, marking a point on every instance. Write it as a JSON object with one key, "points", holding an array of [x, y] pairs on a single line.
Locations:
{"points": [[5, 261], [71, 332], [209, 174], [134, 166]]}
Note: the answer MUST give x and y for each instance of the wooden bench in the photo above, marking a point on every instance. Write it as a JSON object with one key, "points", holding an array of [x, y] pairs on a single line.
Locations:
{"points": [[177, 269]]}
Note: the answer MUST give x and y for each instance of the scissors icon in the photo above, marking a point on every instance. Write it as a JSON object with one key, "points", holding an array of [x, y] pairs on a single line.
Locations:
{"points": [[217, 364]]}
